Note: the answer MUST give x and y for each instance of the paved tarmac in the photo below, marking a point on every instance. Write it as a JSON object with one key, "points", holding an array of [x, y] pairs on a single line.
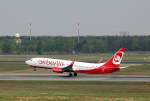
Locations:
{"points": [[63, 77], [80, 77]]}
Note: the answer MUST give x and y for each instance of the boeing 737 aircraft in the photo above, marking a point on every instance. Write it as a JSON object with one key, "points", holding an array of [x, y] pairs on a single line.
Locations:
{"points": [[74, 67]]}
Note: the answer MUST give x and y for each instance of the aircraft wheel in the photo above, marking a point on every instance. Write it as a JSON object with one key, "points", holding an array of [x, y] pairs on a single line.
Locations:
{"points": [[75, 74], [70, 74]]}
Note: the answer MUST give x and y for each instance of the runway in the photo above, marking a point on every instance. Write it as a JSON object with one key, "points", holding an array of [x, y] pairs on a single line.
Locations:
{"points": [[124, 62], [55, 77]]}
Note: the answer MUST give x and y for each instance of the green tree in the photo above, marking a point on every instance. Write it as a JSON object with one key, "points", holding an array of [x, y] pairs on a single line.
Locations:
{"points": [[6, 48]]}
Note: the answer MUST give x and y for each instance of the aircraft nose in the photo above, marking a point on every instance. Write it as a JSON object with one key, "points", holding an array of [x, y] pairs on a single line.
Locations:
{"points": [[27, 62]]}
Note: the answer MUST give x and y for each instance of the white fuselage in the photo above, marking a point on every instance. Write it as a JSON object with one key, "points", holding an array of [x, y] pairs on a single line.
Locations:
{"points": [[52, 63], [60, 66]]}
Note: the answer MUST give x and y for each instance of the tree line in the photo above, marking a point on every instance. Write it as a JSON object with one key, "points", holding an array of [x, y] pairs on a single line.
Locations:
{"points": [[59, 44]]}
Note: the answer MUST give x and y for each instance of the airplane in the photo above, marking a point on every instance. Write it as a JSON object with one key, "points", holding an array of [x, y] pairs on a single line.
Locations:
{"points": [[74, 67]]}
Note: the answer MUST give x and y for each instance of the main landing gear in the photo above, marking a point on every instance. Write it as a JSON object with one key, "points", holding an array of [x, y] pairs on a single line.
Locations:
{"points": [[74, 74]]}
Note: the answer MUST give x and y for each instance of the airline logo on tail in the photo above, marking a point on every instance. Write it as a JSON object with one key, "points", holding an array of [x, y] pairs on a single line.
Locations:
{"points": [[117, 58]]}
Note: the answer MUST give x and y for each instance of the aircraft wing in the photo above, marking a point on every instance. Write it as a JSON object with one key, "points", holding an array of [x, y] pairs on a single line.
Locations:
{"points": [[65, 69]]}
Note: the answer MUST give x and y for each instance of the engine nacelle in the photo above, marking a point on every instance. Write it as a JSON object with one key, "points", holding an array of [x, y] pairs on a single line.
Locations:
{"points": [[57, 70]]}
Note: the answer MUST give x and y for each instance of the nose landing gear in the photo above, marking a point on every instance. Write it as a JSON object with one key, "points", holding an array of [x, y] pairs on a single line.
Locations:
{"points": [[34, 68]]}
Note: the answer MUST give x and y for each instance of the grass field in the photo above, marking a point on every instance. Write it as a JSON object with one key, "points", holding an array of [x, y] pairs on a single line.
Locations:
{"points": [[12, 67], [23, 68], [135, 70], [144, 57], [74, 91], [81, 57]]}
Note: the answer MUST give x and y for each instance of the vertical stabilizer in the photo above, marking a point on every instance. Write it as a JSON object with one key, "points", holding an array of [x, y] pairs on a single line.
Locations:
{"points": [[115, 60]]}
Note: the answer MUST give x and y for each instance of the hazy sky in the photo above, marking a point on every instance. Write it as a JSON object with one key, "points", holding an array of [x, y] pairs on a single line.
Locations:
{"points": [[59, 17]]}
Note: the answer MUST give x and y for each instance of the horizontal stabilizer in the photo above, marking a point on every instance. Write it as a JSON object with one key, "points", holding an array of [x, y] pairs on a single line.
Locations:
{"points": [[123, 67]]}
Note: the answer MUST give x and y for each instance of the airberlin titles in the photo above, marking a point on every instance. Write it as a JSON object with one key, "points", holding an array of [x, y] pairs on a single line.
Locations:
{"points": [[50, 62]]}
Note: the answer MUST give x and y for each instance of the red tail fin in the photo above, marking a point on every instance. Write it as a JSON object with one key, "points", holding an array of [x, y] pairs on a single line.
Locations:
{"points": [[115, 60]]}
